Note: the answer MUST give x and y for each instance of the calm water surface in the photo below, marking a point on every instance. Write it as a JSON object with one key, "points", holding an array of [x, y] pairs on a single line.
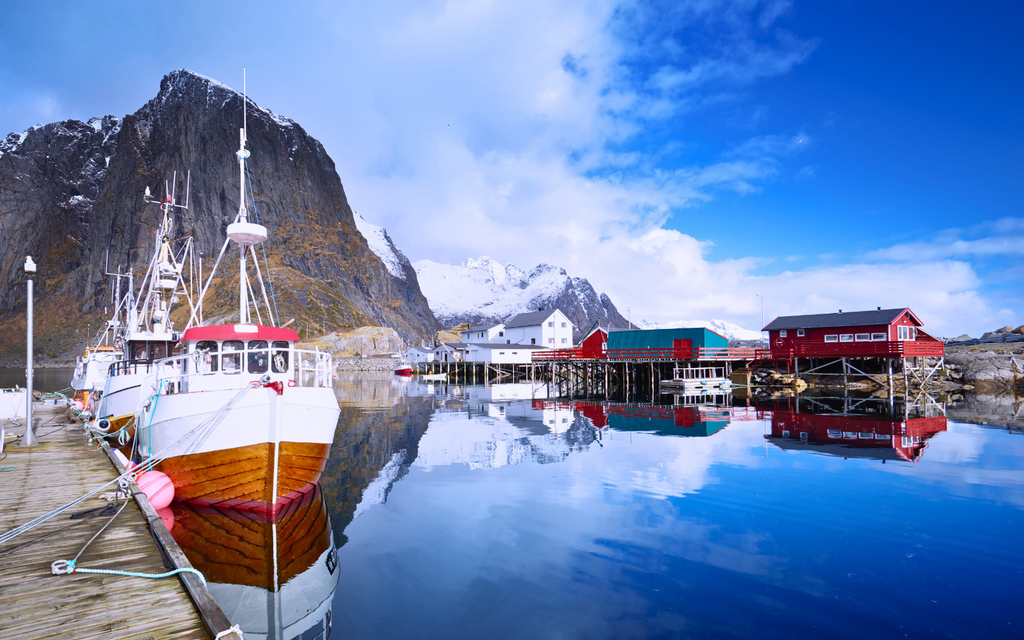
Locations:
{"points": [[454, 512], [459, 515]]}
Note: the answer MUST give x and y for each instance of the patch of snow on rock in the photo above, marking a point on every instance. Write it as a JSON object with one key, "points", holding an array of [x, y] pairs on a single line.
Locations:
{"points": [[12, 142], [381, 245]]}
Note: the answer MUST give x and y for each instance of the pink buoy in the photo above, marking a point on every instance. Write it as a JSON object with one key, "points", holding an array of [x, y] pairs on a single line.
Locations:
{"points": [[157, 487], [167, 516]]}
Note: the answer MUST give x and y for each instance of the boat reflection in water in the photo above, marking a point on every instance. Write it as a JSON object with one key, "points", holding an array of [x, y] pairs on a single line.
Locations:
{"points": [[274, 577], [851, 427]]}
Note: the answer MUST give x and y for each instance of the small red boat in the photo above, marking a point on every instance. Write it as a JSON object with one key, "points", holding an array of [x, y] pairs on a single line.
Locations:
{"points": [[404, 369]]}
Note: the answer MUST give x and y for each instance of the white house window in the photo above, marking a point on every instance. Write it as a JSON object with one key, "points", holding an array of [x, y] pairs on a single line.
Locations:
{"points": [[878, 336], [515, 353], [782, 333], [800, 333], [501, 353], [563, 325], [846, 337], [863, 337], [501, 334], [564, 340], [551, 324], [834, 338], [551, 341]]}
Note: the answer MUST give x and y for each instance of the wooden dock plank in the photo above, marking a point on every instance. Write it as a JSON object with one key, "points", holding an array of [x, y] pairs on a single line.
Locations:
{"points": [[38, 604]]}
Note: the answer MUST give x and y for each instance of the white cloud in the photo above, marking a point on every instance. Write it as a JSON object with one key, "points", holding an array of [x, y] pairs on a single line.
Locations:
{"points": [[499, 129], [951, 243]]}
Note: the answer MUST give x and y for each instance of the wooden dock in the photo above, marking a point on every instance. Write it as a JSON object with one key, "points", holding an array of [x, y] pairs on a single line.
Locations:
{"points": [[37, 604]]}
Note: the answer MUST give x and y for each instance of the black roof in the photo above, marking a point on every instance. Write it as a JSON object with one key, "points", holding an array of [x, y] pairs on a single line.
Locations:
{"points": [[849, 319], [481, 327]]}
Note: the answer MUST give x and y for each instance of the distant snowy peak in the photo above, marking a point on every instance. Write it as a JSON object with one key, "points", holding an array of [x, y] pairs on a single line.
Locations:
{"points": [[381, 245], [721, 327], [483, 290]]}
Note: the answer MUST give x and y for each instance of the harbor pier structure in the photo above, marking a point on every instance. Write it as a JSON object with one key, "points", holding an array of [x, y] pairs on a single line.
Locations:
{"points": [[886, 346], [56, 470]]}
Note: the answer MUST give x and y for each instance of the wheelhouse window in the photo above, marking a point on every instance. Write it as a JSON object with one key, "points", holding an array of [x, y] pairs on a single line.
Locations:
{"points": [[258, 358], [279, 361], [208, 359], [846, 337], [832, 338], [231, 356], [878, 337], [863, 337]]}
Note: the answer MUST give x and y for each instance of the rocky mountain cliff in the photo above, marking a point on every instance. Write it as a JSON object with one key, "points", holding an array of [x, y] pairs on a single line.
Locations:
{"points": [[72, 191], [481, 291]]}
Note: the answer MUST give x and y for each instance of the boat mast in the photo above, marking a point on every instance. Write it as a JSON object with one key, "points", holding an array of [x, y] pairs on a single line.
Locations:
{"points": [[244, 233], [243, 217]]}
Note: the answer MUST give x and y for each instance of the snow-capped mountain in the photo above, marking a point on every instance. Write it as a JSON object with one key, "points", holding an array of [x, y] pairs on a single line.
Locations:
{"points": [[722, 327], [483, 290]]}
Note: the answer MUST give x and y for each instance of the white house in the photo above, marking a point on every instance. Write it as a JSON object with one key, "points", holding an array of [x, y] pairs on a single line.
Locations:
{"points": [[484, 333], [450, 352], [414, 354], [548, 328], [501, 353]]}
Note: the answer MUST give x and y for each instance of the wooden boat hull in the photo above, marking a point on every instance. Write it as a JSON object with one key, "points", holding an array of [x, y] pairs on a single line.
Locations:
{"points": [[255, 456], [243, 477]]}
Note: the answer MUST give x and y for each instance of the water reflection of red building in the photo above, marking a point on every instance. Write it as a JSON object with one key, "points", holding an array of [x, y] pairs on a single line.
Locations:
{"points": [[700, 421], [871, 436]]}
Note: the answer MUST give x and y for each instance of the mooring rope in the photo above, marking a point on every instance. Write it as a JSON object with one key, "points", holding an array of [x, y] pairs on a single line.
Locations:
{"points": [[128, 476], [61, 567]]}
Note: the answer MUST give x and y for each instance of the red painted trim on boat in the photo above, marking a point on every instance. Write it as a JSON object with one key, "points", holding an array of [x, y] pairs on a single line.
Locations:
{"points": [[248, 332]]}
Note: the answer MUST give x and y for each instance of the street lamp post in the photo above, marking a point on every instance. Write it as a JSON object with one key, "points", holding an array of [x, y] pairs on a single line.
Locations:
{"points": [[29, 440]]}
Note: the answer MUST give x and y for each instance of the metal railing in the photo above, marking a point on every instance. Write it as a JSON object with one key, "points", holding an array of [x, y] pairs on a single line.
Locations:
{"points": [[305, 368], [653, 353]]}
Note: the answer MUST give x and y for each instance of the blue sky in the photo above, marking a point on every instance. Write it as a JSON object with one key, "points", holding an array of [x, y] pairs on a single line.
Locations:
{"points": [[683, 156]]}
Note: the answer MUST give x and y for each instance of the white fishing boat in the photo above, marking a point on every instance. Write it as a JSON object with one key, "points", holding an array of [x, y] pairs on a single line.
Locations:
{"points": [[241, 417], [141, 330]]}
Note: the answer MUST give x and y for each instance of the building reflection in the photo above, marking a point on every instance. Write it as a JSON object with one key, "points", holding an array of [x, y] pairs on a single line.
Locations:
{"points": [[273, 578], [852, 427], [689, 415]]}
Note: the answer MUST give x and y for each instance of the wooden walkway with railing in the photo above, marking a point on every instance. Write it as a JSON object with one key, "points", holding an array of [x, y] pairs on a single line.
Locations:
{"points": [[649, 355]]}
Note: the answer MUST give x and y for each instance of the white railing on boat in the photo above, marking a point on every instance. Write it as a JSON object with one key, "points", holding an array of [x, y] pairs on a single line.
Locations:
{"points": [[193, 372]]}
